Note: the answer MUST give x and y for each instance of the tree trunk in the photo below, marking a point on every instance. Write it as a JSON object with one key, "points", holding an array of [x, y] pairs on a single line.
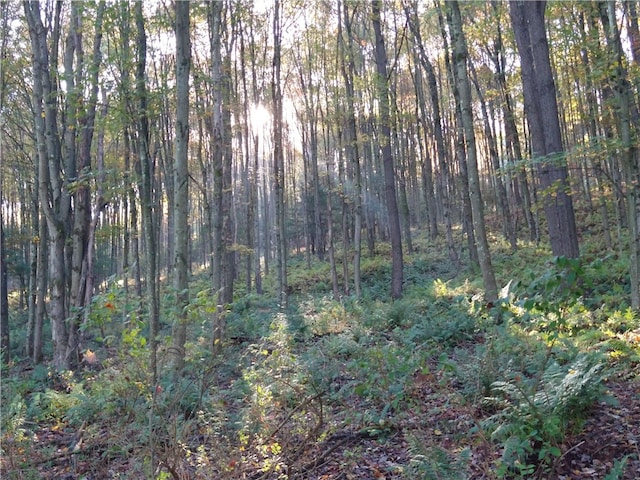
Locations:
{"points": [[508, 227], [541, 109], [4, 290], [181, 185], [41, 290], [34, 248], [629, 153], [347, 64], [147, 196], [393, 216], [222, 263], [278, 161], [81, 292], [427, 168], [459, 145], [53, 200], [477, 207], [437, 129], [5, 343]]}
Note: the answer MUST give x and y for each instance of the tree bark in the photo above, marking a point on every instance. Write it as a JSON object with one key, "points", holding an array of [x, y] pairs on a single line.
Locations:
{"points": [[147, 196], [223, 256], [278, 161], [629, 153], [437, 129], [5, 341], [393, 216], [512, 140], [508, 226], [181, 185], [477, 206], [541, 108], [347, 67], [82, 237], [54, 201]]}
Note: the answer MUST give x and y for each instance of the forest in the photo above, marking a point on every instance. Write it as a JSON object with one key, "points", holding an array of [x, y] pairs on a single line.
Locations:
{"points": [[320, 239]]}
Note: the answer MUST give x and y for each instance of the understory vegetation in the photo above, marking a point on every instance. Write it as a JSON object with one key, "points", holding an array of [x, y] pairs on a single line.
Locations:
{"points": [[437, 385]]}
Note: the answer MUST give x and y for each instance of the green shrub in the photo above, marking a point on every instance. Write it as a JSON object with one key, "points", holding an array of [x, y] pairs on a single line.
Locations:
{"points": [[535, 416], [431, 462]]}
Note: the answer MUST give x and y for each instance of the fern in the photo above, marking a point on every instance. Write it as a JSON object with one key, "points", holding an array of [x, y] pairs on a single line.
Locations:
{"points": [[617, 471], [432, 462], [572, 389], [533, 418]]}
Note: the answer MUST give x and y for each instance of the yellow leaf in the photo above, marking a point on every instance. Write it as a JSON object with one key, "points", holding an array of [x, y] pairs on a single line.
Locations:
{"points": [[90, 357]]}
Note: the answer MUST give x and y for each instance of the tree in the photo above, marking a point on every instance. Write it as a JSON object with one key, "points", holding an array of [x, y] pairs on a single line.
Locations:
{"points": [[512, 139], [477, 206], [5, 343], [278, 159], [53, 199], [147, 198], [181, 183], [541, 108], [222, 157], [79, 167], [64, 144], [624, 105], [382, 89], [437, 130], [348, 68]]}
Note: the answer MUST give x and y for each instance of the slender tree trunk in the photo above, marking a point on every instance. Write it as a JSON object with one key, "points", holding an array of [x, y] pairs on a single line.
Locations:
{"points": [[181, 185], [4, 290], [508, 227], [332, 256], [54, 201], [165, 169], [278, 161], [459, 145], [34, 247], [5, 341], [437, 130], [88, 273], [228, 224], [41, 290], [393, 216], [247, 177], [629, 153], [221, 137], [82, 237], [477, 206], [147, 195], [215, 34], [427, 168], [347, 67], [403, 202]]}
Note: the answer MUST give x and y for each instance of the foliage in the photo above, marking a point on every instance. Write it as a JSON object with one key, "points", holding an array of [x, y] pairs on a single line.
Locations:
{"points": [[435, 463], [536, 413], [16, 439], [289, 382]]}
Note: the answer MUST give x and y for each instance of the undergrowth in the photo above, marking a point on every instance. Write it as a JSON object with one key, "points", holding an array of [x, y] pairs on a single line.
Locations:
{"points": [[328, 374]]}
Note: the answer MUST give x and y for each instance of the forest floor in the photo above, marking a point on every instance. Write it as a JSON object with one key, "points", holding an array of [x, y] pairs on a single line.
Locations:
{"points": [[610, 433], [434, 386], [444, 422]]}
